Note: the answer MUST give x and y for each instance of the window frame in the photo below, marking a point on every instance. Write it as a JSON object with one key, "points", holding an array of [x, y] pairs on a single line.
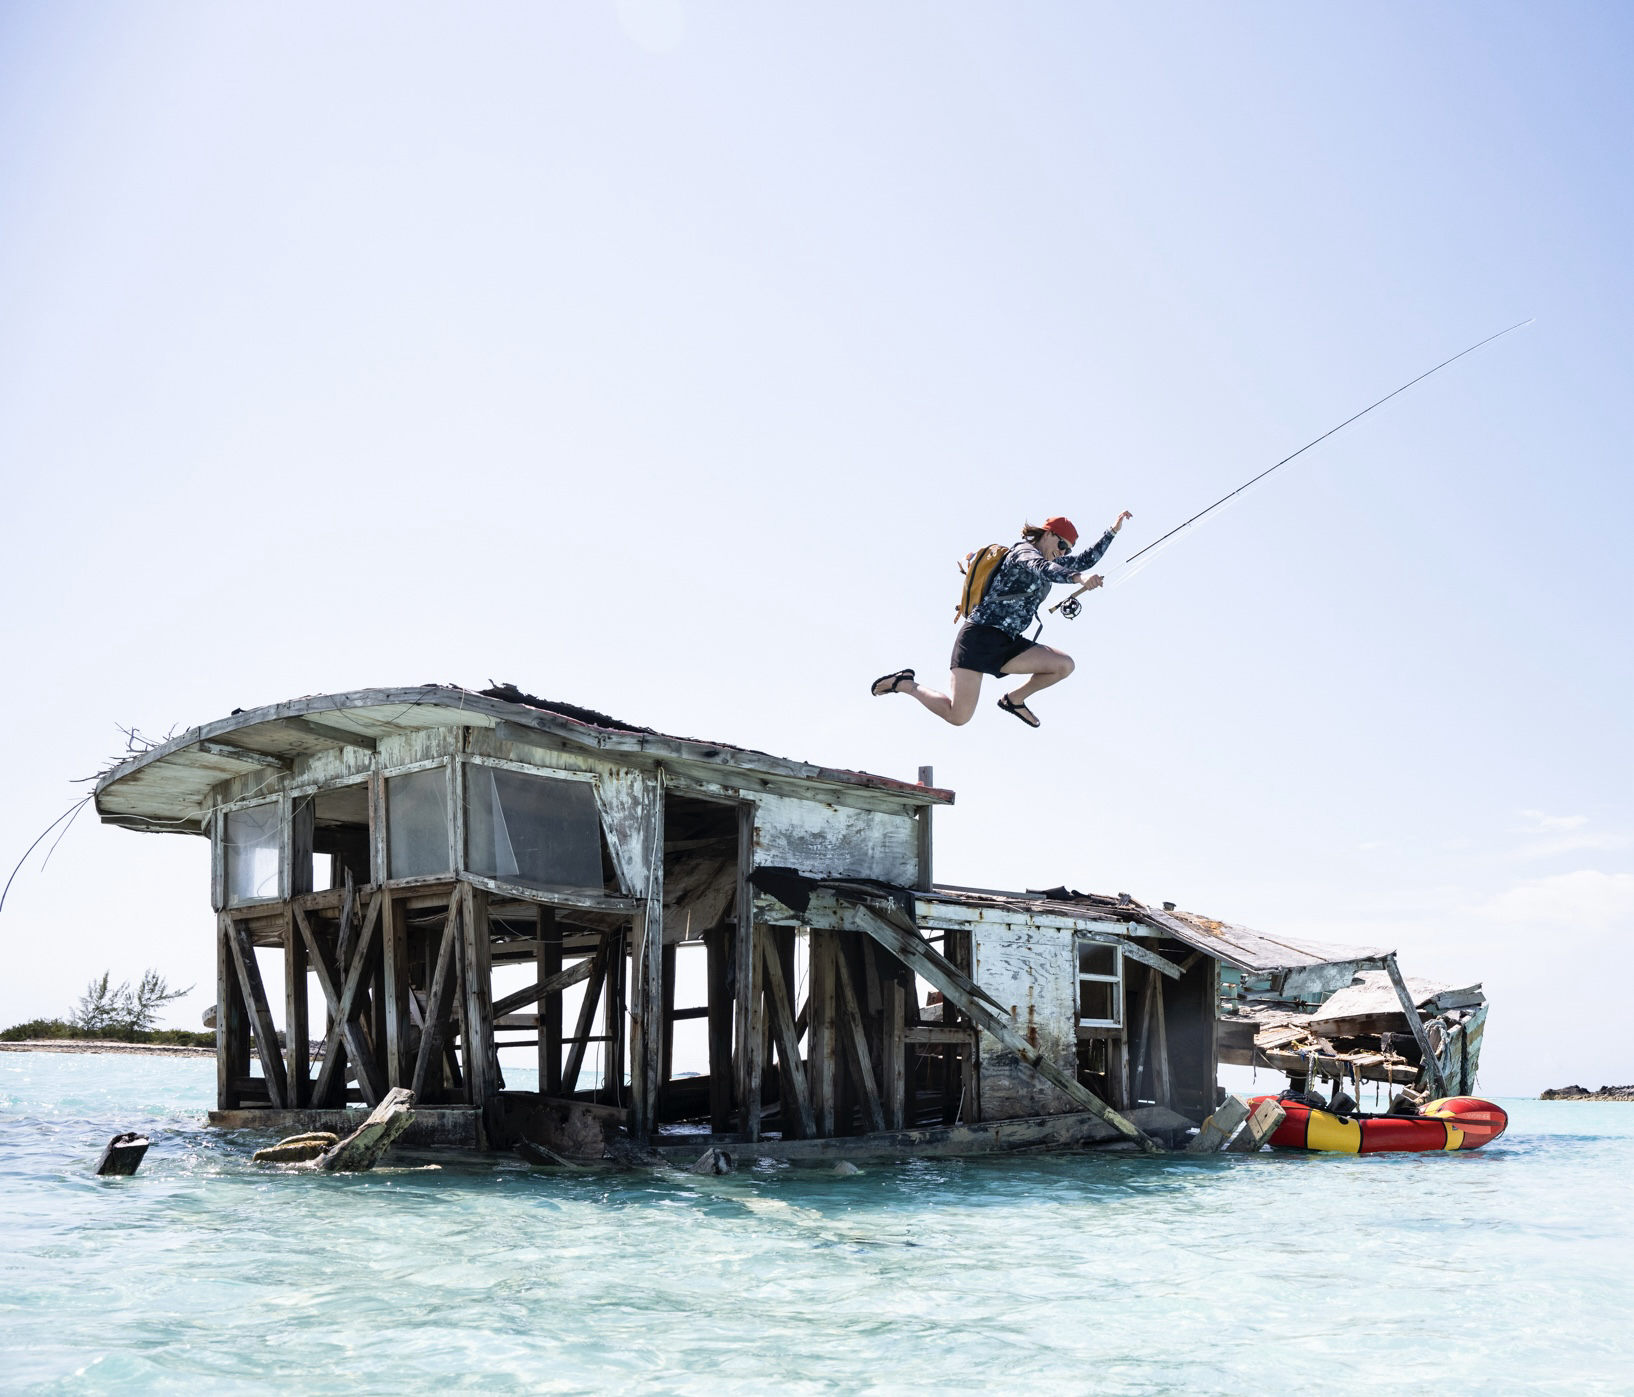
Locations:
{"points": [[1115, 979], [454, 821], [281, 802], [547, 773]]}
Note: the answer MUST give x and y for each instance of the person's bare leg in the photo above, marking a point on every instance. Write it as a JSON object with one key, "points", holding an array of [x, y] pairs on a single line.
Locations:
{"points": [[959, 704], [1045, 665]]}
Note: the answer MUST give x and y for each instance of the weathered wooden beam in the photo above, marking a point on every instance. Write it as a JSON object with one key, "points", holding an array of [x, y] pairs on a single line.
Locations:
{"points": [[895, 1052], [587, 1015], [788, 1041], [1214, 1133], [821, 1049], [255, 996], [853, 1033], [345, 1008], [326, 732], [1134, 951], [297, 1030], [1429, 1063], [399, 1053], [563, 979], [718, 951], [362, 1149], [744, 967], [752, 1034], [1068, 1131], [963, 993], [1160, 1048], [547, 963], [244, 754], [439, 1000], [481, 1059], [1259, 1127], [925, 1034]]}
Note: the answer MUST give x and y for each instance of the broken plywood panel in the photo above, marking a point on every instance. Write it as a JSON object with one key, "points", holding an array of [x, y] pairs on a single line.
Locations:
{"points": [[1035, 979], [823, 840]]}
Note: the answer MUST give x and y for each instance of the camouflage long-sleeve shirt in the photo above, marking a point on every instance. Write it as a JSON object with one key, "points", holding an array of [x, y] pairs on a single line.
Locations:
{"points": [[1023, 581]]}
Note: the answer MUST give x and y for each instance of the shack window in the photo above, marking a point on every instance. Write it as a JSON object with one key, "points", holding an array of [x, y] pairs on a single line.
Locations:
{"points": [[417, 823], [1100, 984], [254, 852], [536, 830]]}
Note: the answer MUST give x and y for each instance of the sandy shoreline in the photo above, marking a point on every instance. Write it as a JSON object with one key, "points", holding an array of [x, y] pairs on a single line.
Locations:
{"points": [[99, 1045]]}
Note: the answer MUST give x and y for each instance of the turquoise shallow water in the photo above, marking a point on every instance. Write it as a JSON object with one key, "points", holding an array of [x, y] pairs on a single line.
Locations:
{"points": [[1507, 1270]]}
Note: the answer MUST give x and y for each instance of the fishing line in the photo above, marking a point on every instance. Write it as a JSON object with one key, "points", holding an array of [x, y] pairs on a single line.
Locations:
{"points": [[68, 815], [1224, 499]]}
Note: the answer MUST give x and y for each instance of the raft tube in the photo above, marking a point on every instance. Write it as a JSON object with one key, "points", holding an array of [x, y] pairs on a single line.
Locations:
{"points": [[1452, 1123]]}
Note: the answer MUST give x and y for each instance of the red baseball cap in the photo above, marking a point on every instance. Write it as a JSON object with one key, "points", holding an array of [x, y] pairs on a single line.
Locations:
{"points": [[1062, 528]]}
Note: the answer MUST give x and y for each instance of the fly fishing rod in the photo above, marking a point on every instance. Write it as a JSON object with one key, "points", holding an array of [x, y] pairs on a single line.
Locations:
{"points": [[1069, 607]]}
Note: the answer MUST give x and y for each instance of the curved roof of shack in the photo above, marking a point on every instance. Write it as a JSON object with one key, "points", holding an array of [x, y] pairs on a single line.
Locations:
{"points": [[165, 788]]}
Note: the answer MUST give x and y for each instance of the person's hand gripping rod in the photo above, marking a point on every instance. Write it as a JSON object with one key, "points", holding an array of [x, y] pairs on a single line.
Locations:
{"points": [[1069, 607]]}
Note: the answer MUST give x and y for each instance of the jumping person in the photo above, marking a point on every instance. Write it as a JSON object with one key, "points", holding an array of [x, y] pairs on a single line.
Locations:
{"points": [[991, 641]]}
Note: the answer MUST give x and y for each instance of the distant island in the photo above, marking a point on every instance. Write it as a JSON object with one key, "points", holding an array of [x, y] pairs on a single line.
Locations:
{"points": [[1575, 1093]]}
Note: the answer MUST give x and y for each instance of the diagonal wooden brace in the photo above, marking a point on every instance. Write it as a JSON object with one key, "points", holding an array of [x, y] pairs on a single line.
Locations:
{"points": [[441, 998], [788, 1039], [255, 997], [964, 994], [345, 1005]]}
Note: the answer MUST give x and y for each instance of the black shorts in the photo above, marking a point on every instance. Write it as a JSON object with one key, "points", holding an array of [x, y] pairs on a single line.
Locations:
{"points": [[986, 649]]}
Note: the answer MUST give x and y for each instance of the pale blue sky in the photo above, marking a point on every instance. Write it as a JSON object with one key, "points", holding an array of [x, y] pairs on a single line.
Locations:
{"points": [[665, 359]]}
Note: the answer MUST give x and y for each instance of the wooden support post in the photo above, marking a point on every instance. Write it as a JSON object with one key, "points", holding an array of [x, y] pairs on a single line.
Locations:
{"points": [[666, 1059], [481, 1061], [648, 1021], [232, 1021], [1143, 1045], [400, 1053], [854, 1035], [297, 1030], [439, 1000], [1433, 1079], [909, 947], [798, 1120], [615, 1020], [255, 996], [587, 1014], [548, 961], [820, 1044], [896, 1052], [927, 777], [746, 978], [754, 1036], [1160, 1053], [718, 949]]}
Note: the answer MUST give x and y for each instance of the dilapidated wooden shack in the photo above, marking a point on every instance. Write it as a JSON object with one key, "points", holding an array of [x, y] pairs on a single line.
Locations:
{"points": [[415, 853]]}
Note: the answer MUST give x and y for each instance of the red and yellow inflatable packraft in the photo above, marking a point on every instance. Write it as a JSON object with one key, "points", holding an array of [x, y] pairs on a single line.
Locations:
{"points": [[1452, 1123]]}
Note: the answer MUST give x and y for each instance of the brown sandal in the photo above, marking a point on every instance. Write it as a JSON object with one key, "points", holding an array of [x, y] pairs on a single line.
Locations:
{"points": [[1020, 710], [892, 682]]}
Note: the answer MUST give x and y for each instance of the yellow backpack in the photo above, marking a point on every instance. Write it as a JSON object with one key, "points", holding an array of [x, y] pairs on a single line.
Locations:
{"points": [[978, 569]]}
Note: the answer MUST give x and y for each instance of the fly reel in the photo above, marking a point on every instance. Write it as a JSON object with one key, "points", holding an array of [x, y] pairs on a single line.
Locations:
{"points": [[1070, 608]]}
